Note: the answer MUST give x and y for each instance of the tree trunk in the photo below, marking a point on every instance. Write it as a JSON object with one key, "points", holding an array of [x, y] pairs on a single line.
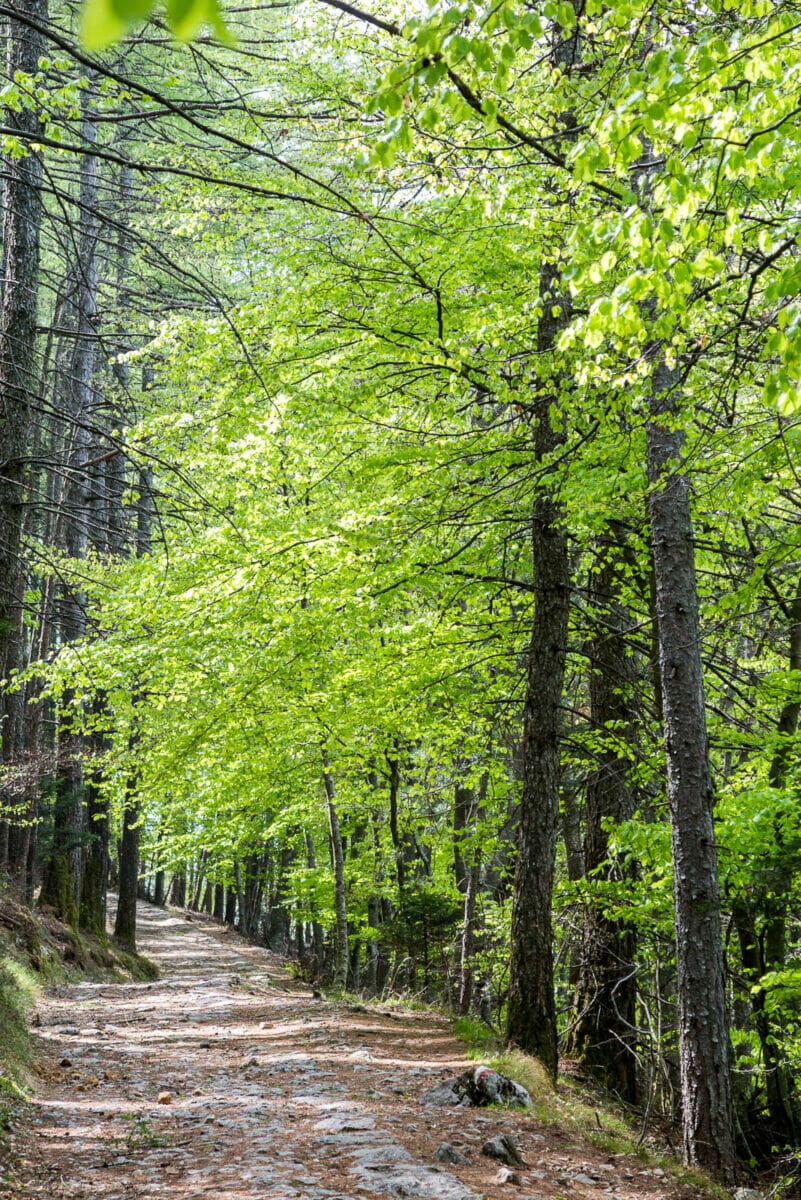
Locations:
{"points": [[462, 803], [474, 812], [340, 979], [125, 924], [318, 938], [531, 1013], [94, 882], [79, 406], [604, 1032], [200, 879], [468, 938], [22, 213], [707, 1115]]}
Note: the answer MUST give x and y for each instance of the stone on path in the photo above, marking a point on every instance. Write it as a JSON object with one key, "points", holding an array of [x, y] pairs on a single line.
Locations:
{"points": [[446, 1153], [505, 1149], [505, 1175]]}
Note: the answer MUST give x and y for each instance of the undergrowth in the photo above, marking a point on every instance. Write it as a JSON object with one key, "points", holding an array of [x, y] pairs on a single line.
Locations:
{"points": [[572, 1108]]}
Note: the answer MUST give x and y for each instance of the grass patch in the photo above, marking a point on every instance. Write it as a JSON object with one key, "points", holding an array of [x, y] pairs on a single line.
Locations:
{"points": [[568, 1106], [138, 967], [477, 1036], [141, 1136], [18, 991], [12, 1099], [572, 1108]]}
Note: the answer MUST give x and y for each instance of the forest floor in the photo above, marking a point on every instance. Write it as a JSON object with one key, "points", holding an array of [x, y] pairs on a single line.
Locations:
{"points": [[226, 1078]]}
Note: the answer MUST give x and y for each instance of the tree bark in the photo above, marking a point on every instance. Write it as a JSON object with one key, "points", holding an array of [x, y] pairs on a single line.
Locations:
{"points": [[67, 852], [94, 882], [531, 1013], [604, 1032], [707, 1115], [22, 214]]}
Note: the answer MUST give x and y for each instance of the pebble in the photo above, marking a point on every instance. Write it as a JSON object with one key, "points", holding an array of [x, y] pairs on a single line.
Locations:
{"points": [[507, 1176]]}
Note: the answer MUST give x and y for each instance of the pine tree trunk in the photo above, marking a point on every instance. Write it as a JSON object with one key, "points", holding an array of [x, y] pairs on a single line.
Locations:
{"points": [[22, 212]]}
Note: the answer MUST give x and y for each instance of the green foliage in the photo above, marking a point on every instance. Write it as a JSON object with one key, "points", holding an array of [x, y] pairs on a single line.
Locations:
{"points": [[18, 989], [479, 1038], [104, 22], [140, 1136]]}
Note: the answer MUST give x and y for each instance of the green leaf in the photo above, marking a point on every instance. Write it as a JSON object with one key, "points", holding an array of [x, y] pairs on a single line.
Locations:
{"points": [[187, 16], [101, 24], [104, 22]]}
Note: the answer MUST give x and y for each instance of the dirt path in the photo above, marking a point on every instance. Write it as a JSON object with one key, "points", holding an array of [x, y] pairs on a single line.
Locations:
{"points": [[225, 1078]]}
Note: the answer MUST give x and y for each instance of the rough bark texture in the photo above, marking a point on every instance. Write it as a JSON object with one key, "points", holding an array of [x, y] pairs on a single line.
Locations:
{"points": [[73, 523], [178, 888], [94, 882], [704, 1045], [531, 1014], [18, 384], [604, 1031], [125, 922]]}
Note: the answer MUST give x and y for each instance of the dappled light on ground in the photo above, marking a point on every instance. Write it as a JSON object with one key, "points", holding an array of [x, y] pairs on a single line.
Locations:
{"points": [[227, 1078]]}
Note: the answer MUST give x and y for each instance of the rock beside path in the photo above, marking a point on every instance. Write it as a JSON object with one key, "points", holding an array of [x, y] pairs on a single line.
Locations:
{"points": [[477, 1088]]}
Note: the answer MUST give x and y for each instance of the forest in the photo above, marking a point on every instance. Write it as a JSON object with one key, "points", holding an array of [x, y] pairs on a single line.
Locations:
{"points": [[400, 520]]}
